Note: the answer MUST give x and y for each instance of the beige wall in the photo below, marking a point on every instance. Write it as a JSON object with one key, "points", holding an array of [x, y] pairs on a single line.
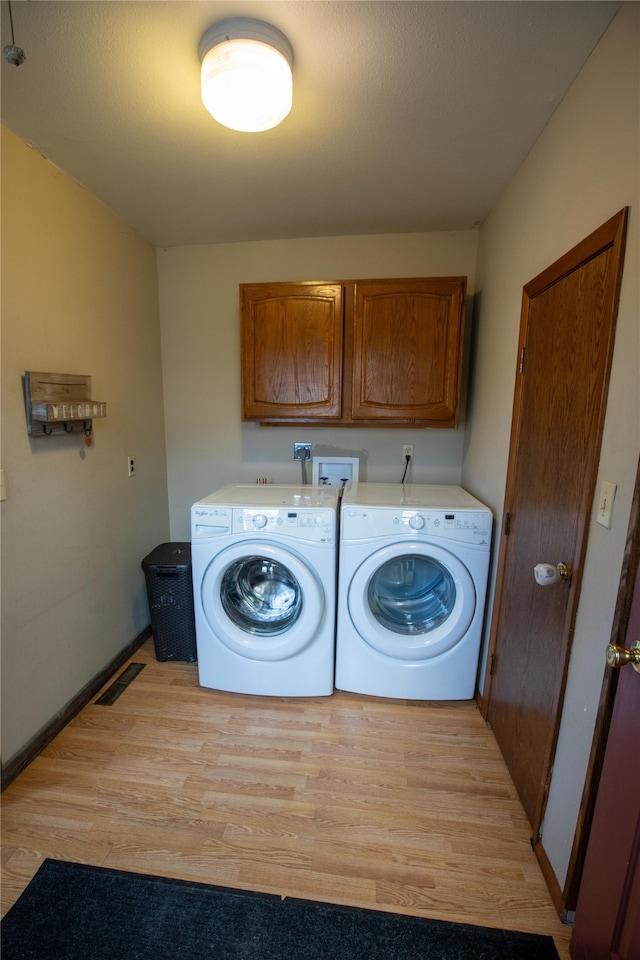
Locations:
{"points": [[207, 445], [583, 169], [79, 295]]}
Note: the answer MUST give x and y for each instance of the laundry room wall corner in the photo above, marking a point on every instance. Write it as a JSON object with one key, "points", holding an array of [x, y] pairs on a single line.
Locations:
{"points": [[79, 296]]}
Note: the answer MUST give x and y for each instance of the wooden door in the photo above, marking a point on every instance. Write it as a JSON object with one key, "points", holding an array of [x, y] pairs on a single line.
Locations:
{"points": [[607, 922], [407, 350], [566, 343], [291, 338]]}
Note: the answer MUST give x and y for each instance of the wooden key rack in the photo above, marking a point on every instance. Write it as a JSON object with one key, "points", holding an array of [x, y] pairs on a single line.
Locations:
{"points": [[58, 403]]}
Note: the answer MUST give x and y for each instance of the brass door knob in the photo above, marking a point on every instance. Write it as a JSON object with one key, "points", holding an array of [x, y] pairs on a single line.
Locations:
{"points": [[546, 573], [619, 656]]}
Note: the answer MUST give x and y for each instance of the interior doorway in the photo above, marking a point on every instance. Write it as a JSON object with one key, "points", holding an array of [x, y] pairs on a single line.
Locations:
{"points": [[565, 349]]}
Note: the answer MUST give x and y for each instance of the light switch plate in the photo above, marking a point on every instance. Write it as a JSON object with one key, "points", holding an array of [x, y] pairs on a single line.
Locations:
{"points": [[605, 504]]}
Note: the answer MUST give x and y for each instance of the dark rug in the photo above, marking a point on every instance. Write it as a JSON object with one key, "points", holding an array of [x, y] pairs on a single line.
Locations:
{"points": [[76, 912]]}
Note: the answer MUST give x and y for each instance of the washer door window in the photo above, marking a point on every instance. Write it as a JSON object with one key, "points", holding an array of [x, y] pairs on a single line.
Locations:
{"points": [[261, 601], [261, 596], [412, 601]]}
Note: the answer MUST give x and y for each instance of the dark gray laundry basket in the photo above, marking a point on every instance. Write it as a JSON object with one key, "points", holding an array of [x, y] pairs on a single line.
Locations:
{"points": [[167, 571]]}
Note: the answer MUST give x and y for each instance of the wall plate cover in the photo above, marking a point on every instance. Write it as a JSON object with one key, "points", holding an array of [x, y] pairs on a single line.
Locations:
{"points": [[335, 471], [605, 503]]}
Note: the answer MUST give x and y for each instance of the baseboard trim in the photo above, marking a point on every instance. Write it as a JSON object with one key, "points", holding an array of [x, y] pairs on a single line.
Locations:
{"points": [[45, 735], [482, 704], [551, 880]]}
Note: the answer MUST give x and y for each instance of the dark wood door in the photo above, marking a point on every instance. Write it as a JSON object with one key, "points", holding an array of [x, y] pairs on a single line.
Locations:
{"points": [[607, 922], [566, 342]]}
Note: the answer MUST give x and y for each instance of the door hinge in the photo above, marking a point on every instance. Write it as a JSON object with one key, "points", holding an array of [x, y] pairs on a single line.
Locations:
{"points": [[522, 355], [507, 524], [492, 664]]}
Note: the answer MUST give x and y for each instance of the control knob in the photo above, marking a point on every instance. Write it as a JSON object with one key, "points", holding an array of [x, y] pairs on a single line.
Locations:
{"points": [[259, 521], [416, 522]]}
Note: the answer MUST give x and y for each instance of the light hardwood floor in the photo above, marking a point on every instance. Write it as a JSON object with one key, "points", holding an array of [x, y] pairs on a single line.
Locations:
{"points": [[392, 805]]}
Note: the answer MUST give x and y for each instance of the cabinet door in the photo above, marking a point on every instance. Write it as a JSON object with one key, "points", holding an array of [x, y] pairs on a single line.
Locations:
{"points": [[291, 335], [407, 350]]}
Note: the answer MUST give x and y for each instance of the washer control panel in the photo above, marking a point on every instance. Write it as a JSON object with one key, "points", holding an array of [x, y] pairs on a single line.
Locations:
{"points": [[317, 525], [466, 526], [311, 524]]}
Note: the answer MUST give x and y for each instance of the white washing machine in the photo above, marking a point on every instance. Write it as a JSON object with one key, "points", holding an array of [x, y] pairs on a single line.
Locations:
{"points": [[413, 569], [264, 579]]}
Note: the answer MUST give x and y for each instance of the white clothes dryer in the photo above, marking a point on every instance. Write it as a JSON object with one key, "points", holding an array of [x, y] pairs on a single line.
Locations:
{"points": [[264, 579], [413, 569]]}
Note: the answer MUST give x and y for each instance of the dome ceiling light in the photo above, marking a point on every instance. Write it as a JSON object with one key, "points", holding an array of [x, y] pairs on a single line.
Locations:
{"points": [[246, 74]]}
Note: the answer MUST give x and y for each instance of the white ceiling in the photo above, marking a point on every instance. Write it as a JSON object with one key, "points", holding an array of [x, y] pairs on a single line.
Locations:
{"points": [[407, 116]]}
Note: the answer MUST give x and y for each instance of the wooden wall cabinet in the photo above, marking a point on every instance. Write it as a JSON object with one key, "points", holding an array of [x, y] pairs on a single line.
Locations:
{"points": [[353, 353]]}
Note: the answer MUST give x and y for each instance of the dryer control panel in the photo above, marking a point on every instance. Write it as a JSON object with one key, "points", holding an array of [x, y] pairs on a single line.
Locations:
{"points": [[465, 526]]}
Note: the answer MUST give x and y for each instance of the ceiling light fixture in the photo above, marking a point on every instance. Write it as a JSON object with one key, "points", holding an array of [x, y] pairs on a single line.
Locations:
{"points": [[246, 74]]}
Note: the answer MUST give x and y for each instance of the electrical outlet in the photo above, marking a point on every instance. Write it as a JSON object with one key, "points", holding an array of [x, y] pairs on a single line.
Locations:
{"points": [[302, 451], [131, 467], [407, 451]]}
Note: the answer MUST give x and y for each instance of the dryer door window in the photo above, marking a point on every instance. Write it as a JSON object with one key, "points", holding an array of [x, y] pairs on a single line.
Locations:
{"points": [[412, 600], [411, 594], [262, 600], [261, 595]]}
